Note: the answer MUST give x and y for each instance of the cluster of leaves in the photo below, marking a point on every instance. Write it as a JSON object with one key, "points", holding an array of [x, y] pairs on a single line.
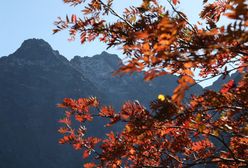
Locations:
{"points": [[168, 135], [211, 128]]}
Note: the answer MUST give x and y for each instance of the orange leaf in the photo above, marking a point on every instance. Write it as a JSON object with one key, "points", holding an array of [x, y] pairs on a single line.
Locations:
{"points": [[184, 83], [86, 154], [79, 118], [132, 151], [74, 18], [63, 130], [89, 165], [142, 35]]}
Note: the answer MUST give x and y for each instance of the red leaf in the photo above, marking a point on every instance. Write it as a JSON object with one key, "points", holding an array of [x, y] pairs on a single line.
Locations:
{"points": [[86, 154], [175, 1], [107, 111], [228, 86], [77, 146]]}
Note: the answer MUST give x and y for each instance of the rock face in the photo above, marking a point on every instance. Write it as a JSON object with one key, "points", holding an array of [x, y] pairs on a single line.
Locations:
{"points": [[35, 78], [99, 69]]}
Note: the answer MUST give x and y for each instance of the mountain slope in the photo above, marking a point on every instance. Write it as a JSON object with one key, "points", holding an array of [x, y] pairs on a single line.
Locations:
{"points": [[35, 78]]}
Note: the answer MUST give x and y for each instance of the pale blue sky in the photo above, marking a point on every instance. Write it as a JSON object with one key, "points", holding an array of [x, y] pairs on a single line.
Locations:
{"points": [[23, 19]]}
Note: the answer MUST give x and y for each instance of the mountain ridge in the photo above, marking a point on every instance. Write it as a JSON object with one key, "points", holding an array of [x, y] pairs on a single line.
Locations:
{"points": [[29, 91]]}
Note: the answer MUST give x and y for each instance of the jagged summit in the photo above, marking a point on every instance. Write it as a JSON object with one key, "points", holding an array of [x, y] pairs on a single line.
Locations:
{"points": [[107, 56], [104, 55], [33, 50], [104, 62], [111, 59], [34, 42]]}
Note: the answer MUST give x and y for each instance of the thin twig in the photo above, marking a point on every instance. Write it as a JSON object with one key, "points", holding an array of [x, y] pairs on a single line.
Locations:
{"points": [[116, 14], [179, 14]]}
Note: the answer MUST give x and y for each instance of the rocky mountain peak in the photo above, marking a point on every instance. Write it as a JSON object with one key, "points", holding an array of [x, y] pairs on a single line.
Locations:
{"points": [[34, 50], [104, 63], [112, 59], [38, 43]]}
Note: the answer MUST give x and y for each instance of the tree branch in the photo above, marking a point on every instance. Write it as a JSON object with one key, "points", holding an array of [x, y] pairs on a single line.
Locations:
{"points": [[113, 12], [179, 14]]}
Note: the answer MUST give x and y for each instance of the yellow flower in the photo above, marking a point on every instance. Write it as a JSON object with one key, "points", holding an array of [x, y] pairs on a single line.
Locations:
{"points": [[161, 97], [129, 128]]}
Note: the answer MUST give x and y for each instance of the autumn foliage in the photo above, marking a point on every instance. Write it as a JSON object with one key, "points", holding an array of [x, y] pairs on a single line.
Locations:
{"points": [[156, 37]]}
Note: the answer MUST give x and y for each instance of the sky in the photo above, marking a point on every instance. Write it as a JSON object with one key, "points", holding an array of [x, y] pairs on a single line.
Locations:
{"points": [[24, 19]]}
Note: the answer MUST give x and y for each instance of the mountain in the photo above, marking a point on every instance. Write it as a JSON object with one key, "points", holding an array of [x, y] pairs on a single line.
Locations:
{"points": [[35, 78], [218, 84], [99, 70]]}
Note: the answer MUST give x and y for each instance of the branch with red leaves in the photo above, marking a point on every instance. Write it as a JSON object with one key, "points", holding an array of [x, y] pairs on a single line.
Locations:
{"points": [[160, 42]]}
